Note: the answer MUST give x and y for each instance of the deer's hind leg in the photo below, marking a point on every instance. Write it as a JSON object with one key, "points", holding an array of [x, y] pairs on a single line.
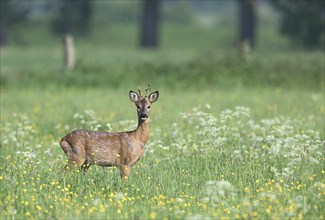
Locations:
{"points": [[75, 154], [85, 166]]}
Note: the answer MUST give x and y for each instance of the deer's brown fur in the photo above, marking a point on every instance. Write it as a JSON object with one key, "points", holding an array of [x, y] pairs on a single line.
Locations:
{"points": [[84, 148]]}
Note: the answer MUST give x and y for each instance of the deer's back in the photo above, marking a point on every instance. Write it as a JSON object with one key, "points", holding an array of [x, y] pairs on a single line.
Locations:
{"points": [[104, 148]]}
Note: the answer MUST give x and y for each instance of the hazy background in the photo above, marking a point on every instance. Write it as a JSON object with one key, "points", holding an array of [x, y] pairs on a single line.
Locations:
{"points": [[184, 48], [180, 24]]}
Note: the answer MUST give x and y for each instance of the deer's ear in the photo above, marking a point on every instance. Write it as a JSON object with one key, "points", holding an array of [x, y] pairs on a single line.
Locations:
{"points": [[134, 97], [153, 96]]}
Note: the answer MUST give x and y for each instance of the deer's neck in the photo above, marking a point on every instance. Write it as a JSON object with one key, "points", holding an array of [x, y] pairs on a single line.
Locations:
{"points": [[142, 132]]}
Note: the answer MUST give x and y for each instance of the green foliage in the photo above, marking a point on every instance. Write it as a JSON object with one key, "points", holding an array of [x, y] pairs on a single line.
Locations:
{"points": [[72, 17], [183, 69], [303, 21], [10, 15], [116, 12], [178, 12]]}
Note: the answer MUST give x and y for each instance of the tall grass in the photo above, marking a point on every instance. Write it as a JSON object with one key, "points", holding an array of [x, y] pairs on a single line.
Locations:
{"points": [[204, 166]]}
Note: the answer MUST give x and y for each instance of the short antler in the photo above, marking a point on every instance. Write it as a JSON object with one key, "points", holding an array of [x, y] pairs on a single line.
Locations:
{"points": [[139, 89], [148, 90]]}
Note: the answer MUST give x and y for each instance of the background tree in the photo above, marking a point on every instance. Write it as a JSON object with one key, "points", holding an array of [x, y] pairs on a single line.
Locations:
{"points": [[303, 21], [150, 23], [72, 17], [247, 23], [12, 12]]}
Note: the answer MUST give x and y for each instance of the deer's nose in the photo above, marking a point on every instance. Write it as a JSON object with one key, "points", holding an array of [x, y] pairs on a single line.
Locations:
{"points": [[143, 116]]}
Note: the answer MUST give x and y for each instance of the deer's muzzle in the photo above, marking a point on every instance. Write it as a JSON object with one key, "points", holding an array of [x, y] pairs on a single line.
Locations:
{"points": [[143, 116]]}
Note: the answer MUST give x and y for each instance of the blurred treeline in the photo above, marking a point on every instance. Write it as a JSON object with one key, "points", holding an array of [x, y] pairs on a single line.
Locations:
{"points": [[298, 22]]}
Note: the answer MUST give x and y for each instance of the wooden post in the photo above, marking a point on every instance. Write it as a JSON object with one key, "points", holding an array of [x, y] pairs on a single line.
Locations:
{"points": [[68, 52]]}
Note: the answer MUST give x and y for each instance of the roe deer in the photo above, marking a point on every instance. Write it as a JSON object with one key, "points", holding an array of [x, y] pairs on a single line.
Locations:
{"points": [[121, 149]]}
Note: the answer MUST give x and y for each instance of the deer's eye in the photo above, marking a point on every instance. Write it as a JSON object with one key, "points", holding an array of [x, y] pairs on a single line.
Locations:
{"points": [[138, 106], [148, 107]]}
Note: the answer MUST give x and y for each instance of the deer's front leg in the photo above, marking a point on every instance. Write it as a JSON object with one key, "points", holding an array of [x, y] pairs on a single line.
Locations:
{"points": [[125, 172]]}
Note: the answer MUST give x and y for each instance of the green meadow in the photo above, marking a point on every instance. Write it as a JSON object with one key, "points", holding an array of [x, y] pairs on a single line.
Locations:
{"points": [[231, 138]]}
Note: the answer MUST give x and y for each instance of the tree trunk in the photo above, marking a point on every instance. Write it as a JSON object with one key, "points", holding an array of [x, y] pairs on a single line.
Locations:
{"points": [[3, 38], [247, 21], [149, 24]]}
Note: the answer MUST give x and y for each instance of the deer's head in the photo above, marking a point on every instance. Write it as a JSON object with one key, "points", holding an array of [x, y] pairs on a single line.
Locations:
{"points": [[143, 103]]}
